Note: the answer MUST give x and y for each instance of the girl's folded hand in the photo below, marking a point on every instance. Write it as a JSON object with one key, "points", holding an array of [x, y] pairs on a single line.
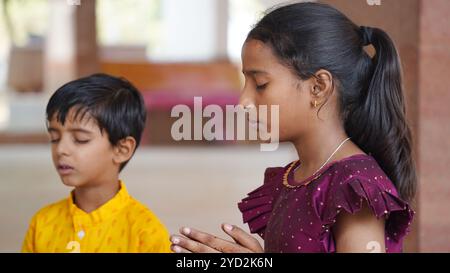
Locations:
{"points": [[201, 242]]}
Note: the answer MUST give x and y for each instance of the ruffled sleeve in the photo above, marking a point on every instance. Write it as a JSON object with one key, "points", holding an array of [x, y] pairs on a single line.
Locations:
{"points": [[257, 206], [381, 198]]}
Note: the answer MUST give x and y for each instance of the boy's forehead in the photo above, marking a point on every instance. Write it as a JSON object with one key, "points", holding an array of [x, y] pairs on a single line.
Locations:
{"points": [[75, 117]]}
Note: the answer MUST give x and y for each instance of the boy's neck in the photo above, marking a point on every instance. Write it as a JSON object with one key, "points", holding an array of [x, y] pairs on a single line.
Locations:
{"points": [[90, 198]]}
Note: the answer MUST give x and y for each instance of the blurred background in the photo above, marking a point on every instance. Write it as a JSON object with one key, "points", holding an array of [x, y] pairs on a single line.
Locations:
{"points": [[173, 50]]}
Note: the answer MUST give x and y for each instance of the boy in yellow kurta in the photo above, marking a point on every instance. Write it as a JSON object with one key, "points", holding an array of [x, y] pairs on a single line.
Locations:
{"points": [[95, 125]]}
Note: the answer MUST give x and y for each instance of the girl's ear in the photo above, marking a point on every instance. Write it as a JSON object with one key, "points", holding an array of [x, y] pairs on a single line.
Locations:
{"points": [[124, 150], [321, 88]]}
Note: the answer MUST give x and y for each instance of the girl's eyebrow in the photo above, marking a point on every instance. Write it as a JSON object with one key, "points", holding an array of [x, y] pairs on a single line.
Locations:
{"points": [[253, 72]]}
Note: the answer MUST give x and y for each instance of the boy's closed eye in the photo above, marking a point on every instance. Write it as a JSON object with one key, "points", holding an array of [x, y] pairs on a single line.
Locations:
{"points": [[80, 141], [79, 135], [76, 140], [53, 135]]}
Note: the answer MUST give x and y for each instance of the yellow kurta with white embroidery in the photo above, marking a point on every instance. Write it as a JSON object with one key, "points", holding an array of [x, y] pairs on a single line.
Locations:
{"points": [[122, 224]]}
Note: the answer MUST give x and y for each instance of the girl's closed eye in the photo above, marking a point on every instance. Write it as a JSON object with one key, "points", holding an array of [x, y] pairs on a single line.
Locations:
{"points": [[261, 81], [261, 87], [54, 140]]}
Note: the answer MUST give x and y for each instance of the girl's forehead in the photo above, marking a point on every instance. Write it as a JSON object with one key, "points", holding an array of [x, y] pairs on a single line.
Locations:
{"points": [[255, 49], [256, 54]]}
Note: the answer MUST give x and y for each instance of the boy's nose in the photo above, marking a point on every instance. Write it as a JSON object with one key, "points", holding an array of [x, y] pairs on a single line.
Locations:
{"points": [[62, 148]]}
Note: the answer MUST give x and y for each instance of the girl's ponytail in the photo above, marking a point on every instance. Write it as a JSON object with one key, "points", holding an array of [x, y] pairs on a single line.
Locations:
{"points": [[378, 122]]}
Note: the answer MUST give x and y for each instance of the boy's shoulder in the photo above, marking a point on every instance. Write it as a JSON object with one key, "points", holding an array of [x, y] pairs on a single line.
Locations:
{"points": [[140, 213], [51, 211]]}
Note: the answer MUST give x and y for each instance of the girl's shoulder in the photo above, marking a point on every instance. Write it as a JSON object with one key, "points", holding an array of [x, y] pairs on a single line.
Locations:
{"points": [[256, 207], [272, 182], [349, 184], [359, 167]]}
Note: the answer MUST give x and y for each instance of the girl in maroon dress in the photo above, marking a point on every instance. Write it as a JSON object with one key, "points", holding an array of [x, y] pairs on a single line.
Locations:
{"points": [[344, 112]]}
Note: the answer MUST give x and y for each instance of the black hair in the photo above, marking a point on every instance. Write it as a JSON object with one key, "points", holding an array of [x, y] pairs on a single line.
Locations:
{"points": [[115, 104], [307, 37]]}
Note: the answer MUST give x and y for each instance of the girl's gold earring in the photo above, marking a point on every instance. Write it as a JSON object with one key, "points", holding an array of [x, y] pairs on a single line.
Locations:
{"points": [[314, 104]]}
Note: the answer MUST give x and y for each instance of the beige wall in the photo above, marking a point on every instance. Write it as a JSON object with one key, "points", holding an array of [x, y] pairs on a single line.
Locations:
{"points": [[434, 125], [421, 33]]}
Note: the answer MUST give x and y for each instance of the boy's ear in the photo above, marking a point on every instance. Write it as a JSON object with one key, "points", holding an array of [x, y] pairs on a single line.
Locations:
{"points": [[124, 150]]}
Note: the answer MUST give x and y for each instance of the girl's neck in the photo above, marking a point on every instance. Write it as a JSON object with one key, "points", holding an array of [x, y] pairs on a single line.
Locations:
{"points": [[315, 148], [90, 198]]}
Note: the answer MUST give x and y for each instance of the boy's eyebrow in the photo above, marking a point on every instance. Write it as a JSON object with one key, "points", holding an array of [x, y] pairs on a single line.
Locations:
{"points": [[80, 130], [76, 130]]}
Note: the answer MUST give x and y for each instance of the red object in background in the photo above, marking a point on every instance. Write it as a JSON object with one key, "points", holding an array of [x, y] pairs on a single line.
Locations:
{"points": [[159, 104]]}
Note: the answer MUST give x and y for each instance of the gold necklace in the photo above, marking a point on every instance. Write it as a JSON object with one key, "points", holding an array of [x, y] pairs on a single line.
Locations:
{"points": [[288, 171]]}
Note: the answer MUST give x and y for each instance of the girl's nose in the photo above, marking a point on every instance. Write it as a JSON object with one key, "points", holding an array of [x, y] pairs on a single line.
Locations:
{"points": [[246, 98]]}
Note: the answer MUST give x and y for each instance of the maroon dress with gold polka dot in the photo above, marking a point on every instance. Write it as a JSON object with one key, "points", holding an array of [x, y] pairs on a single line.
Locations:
{"points": [[301, 218]]}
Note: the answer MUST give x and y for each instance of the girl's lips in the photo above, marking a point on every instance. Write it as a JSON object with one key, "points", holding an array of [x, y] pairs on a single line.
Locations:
{"points": [[253, 123], [64, 169]]}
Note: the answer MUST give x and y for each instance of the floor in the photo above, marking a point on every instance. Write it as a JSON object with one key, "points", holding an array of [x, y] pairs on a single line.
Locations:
{"points": [[185, 186]]}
